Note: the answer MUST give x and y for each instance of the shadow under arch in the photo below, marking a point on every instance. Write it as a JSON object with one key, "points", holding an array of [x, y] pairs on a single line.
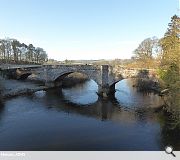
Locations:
{"points": [[2, 109], [24, 76]]}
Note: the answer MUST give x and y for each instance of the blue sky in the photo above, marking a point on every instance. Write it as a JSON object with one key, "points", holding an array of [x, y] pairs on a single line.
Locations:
{"points": [[85, 29]]}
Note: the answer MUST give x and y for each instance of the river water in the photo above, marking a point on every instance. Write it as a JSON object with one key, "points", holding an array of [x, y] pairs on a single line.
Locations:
{"points": [[76, 119]]}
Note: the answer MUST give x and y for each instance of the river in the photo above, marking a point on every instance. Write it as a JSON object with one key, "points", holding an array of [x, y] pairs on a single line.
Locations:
{"points": [[77, 119]]}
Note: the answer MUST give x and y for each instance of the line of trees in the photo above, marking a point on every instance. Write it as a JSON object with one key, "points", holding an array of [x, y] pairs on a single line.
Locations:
{"points": [[169, 71], [12, 51]]}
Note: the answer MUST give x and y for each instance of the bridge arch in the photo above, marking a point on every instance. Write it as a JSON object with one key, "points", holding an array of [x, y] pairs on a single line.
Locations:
{"points": [[113, 80], [22, 74], [60, 76]]}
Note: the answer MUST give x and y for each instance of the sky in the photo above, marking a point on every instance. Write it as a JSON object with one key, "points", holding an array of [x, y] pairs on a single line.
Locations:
{"points": [[85, 29]]}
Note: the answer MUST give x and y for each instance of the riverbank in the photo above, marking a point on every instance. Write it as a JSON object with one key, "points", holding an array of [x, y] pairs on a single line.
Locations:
{"points": [[147, 85], [169, 96]]}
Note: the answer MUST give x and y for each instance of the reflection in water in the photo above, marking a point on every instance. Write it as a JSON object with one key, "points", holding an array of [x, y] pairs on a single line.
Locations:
{"points": [[171, 130], [82, 94], [77, 119], [171, 120], [128, 96], [40, 94], [1, 110]]}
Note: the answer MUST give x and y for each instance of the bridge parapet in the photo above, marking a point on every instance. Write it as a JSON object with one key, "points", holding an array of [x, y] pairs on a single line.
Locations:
{"points": [[10, 66], [81, 67]]}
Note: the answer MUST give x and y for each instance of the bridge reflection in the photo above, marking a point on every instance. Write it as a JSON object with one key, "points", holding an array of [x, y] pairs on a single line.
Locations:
{"points": [[102, 109]]}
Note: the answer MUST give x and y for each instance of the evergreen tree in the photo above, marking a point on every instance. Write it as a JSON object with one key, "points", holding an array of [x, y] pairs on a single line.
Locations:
{"points": [[170, 58]]}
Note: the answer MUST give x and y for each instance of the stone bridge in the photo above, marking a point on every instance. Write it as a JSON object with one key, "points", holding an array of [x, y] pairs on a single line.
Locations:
{"points": [[105, 76]]}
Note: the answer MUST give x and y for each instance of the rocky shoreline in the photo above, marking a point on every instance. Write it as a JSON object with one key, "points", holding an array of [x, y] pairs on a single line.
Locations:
{"points": [[25, 91], [11, 88]]}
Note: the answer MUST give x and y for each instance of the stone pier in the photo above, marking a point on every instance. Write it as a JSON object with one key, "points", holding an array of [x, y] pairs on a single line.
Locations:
{"points": [[105, 89]]}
